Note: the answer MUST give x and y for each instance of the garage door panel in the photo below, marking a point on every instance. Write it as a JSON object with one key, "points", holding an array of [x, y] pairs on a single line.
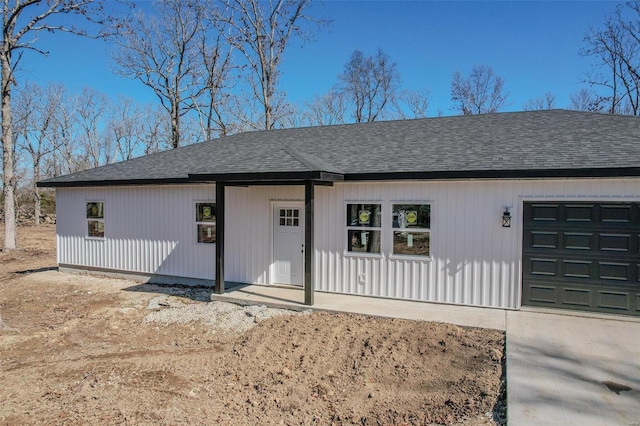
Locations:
{"points": [[578, 240], [578, 269], [545, 240], [614, 300], [616, 213], [576, 297], [614, 271], [544, 267], [543, 294], [545, 212], [582, 256], [579, 213], [615, 242]]}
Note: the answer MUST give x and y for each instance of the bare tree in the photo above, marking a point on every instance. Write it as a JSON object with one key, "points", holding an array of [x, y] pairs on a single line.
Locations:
{"points": [[22, 21], [35, 121], [412, 104], [480, 93], [369, 85], [156, 130], [261, 30], [216, 59], [162, 52], [91, 108], [326, 110], [616, 48], [64, 139], [545, 102], [125, 127], [585, 100]]}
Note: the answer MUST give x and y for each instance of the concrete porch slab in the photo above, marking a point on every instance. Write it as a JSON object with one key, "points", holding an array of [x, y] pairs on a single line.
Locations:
{"points": [[292, 298]]}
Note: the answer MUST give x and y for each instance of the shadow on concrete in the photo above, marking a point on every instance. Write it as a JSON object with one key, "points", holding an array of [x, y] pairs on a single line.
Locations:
{"points": [[196, 293], [35, 271], [576, 376], [255, 294]]}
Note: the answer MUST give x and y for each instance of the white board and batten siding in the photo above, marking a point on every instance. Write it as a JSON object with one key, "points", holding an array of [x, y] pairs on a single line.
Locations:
{"points": [[152, 230], [148, 230], [474, 260]]}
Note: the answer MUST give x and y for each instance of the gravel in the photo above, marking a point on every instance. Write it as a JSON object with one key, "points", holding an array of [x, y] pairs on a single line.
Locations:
{"points": [[225, 315]]}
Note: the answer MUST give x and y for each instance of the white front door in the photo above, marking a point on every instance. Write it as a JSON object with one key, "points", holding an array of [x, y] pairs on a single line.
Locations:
{"points": [[288, 243]]}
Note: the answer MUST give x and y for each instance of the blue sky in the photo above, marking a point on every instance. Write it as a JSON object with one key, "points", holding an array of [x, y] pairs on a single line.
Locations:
{"points": [[533, 45]]}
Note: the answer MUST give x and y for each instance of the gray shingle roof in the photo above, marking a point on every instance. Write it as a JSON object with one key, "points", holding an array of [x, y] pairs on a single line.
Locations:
{"points": [[488, 144]]}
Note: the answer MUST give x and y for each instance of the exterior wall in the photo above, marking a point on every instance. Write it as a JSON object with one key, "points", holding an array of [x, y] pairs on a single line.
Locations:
{"points": [[152, 231], [249, 235], [474, 260], [149, 230]]}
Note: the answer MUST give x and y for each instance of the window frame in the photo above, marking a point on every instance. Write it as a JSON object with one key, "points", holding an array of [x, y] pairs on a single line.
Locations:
{"points": [[201, 222], [350, 228], [416, 230], [292, 220], [98, 219]]}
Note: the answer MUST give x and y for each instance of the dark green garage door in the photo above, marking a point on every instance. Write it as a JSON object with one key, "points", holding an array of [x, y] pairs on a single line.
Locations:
{"points": [[582, 256]]}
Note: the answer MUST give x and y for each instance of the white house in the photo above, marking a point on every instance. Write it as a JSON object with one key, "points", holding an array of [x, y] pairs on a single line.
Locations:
{"points": [[498, 210]]}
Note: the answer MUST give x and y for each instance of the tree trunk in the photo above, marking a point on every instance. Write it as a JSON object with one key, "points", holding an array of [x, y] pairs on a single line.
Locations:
{"points": [[7, 152], [175, 127], [36, 192]]}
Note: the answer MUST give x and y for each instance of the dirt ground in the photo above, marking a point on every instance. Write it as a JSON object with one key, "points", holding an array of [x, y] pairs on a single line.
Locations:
{"points": [[75, 349]]}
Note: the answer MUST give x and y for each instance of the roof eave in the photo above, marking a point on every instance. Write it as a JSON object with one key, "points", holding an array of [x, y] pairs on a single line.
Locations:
{"points": [[51, 183], [267, 177], [497, 174]]}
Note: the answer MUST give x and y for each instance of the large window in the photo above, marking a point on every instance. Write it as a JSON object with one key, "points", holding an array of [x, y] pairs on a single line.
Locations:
{"points": [[206, 222], [95, 219], [364, 223], [411, 229]]}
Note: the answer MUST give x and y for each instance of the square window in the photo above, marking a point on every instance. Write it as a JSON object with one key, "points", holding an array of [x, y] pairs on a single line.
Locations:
{"points": [[282, 221], [411, 216], [361, 241], [296, 213], [95, 210], [411, 243], [296, 222], [206, 222], [364, 215], [205, 212], [96, 228], [282, 213], [206, 233]]}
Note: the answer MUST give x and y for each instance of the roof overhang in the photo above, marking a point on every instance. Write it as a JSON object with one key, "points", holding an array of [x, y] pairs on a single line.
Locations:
{"points": [[239, 179], [269, 178], [327, 178], [498, 174]]}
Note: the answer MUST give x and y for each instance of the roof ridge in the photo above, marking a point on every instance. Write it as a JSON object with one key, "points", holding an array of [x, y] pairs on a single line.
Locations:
{"points": [[312, 161]]}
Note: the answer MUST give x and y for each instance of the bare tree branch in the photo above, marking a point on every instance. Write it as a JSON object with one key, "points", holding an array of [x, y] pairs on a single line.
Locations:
{"points": [[480, 93], [261, 31], [21, 18]]}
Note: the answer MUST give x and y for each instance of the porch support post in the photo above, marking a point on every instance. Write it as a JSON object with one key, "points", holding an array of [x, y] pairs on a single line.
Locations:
{"points": [[309, 248], [220, 225]]}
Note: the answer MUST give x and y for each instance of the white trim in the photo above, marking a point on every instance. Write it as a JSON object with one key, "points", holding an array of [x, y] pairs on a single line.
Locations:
{"points": [[196, 223], [299, 204], [103, 220], [347, 228]]}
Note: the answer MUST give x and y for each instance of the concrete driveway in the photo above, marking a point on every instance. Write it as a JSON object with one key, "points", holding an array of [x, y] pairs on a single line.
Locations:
{"points": [[572, 370]]}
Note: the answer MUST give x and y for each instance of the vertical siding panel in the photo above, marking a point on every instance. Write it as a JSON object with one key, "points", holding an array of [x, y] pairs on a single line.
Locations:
{"points": [[474, 260]]}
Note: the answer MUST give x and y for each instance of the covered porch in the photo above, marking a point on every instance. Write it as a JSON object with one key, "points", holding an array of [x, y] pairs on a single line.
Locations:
{"points": [[309, 180]]}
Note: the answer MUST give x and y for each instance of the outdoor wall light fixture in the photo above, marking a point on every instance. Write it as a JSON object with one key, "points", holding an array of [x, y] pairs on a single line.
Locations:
{"points": [[506, 218]]}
